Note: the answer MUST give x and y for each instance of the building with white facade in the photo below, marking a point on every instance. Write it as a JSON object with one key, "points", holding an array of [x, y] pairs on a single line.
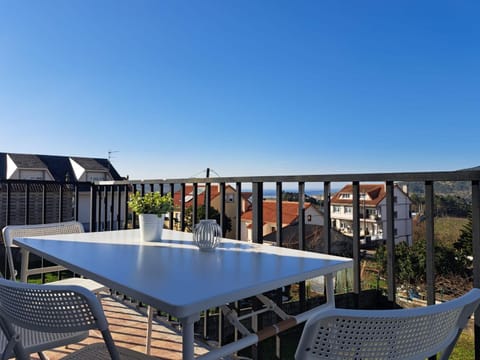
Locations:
{"points": [[372, 212]]}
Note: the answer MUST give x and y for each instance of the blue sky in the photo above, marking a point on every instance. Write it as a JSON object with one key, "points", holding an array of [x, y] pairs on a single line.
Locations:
{"points": [[243, 87]]}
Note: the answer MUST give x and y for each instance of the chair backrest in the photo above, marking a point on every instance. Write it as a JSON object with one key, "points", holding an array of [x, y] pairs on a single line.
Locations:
{"points": [[50, 308], [386, 334], [12, 231]]}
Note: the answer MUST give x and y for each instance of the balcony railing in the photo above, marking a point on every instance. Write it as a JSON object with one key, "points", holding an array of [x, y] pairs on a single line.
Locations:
{"points": [[108, 210]]}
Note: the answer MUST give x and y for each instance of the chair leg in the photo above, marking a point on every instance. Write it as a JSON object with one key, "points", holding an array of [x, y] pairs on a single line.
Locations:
{"points": [[149, 329], [42, 356]]}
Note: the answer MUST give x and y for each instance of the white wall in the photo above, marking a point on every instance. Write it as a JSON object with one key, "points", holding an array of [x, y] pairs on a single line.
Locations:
{"points": [[402, 221]]}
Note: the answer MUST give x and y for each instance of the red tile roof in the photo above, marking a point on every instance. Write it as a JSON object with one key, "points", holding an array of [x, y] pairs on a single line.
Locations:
{"points": [[214, 192], [289, 212], [375, 192]]}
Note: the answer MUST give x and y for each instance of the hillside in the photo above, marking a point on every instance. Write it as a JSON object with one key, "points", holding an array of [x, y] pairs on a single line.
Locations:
{"points": [[462, 189]]}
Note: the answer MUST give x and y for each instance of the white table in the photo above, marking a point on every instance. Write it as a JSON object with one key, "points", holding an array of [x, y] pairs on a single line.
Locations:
{"points": [[173, 275]]}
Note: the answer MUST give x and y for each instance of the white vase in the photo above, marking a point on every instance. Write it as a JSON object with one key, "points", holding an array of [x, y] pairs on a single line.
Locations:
{"points": [[148, 226], [207, 234], [161, 221]]}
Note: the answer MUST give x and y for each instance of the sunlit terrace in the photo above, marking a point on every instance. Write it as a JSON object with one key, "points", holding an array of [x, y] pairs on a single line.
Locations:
{"points": [[108, 210]]}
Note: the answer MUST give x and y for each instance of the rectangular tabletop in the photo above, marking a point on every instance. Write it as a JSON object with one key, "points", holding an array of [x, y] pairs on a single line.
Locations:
{"points": [[173, 275]]}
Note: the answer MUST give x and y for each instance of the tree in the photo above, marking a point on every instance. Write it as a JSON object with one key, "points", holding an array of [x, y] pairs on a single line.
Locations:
{"points": [[464, 244], [212, 214]]}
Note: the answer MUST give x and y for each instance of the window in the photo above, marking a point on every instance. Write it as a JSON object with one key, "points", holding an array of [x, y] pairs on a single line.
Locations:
{"points": [[230, 198], [309, 218], [345, 196], [395, 214], [96, 176], [347, 209], [336, 209], [32, 174]]}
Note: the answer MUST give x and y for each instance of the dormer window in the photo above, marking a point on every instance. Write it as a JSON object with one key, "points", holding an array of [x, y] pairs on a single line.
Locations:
{"points": [[32, 174], [96, 176], [345, 196]]}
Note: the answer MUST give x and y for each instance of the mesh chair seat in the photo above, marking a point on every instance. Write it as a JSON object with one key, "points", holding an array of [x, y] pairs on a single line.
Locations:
{"points": [[69, 227], [387, 334], [37, 341], [56, 309]]}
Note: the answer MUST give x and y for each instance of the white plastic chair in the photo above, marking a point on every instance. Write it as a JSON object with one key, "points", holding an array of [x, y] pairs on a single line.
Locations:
{"points": [[12, 231], [55, 309], [387, 334]]}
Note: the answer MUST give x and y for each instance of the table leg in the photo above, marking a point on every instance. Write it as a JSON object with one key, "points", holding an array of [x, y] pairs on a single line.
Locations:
{"points": [[330, 289], [148, 344], [188, 337], [24, 267]]}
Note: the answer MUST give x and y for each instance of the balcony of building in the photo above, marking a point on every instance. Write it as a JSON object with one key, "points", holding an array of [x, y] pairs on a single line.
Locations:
{"points": [[28, 202]]}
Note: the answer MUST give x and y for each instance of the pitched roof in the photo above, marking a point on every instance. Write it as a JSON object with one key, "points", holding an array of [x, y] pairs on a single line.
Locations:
{"points": [[90, 164], [214, 192], [59, 166], [375, 194], [27, 161], [289, 212]]}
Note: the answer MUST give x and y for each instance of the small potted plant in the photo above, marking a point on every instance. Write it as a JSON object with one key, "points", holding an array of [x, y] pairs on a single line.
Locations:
{"points": [[151, 209]]}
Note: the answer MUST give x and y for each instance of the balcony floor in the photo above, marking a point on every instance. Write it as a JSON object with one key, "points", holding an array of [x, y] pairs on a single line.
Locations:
{"points": [[128, 327]]}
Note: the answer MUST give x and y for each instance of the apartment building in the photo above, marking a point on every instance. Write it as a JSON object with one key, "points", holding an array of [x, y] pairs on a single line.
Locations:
{"points": [[372, 213]]}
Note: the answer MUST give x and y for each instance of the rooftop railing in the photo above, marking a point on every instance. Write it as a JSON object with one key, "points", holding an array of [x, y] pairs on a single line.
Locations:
{"points": [[108, 210]]}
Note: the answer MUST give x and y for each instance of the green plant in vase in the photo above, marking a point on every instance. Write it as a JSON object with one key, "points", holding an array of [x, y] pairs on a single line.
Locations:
{"points": [[151, 209]]}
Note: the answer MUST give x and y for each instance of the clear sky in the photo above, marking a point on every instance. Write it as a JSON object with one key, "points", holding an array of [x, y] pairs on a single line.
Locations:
{"points": [[244, 87]]}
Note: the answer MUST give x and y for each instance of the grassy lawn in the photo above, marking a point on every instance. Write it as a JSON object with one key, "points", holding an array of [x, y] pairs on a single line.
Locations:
{"points": [[464, 350]]}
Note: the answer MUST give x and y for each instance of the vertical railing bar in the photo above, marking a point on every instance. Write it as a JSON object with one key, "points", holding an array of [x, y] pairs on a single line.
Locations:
{"points": [[182, 207], [327, 217], [170, 215], [257, 237], [119, 207], [222, 208], [112, 206], [60, 202], [390, 230], [27, 203], [207, 200], [99, 214], [76, 207], [93, 207], [238, 211], [105, 207], [44, 204], [301, 215], [430, 237], [257, 212], [301, 240], [279, 242], [356, 239], [134, 215], [8, 213], [476, 255], [125, 222], [279, 204], [194, 204]]}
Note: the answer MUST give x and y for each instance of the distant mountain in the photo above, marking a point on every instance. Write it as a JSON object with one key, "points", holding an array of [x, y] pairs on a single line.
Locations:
{"points": [[462, 189]]}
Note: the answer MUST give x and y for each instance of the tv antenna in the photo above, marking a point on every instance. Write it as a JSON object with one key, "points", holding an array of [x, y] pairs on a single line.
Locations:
{"points": [[110, 152]]}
